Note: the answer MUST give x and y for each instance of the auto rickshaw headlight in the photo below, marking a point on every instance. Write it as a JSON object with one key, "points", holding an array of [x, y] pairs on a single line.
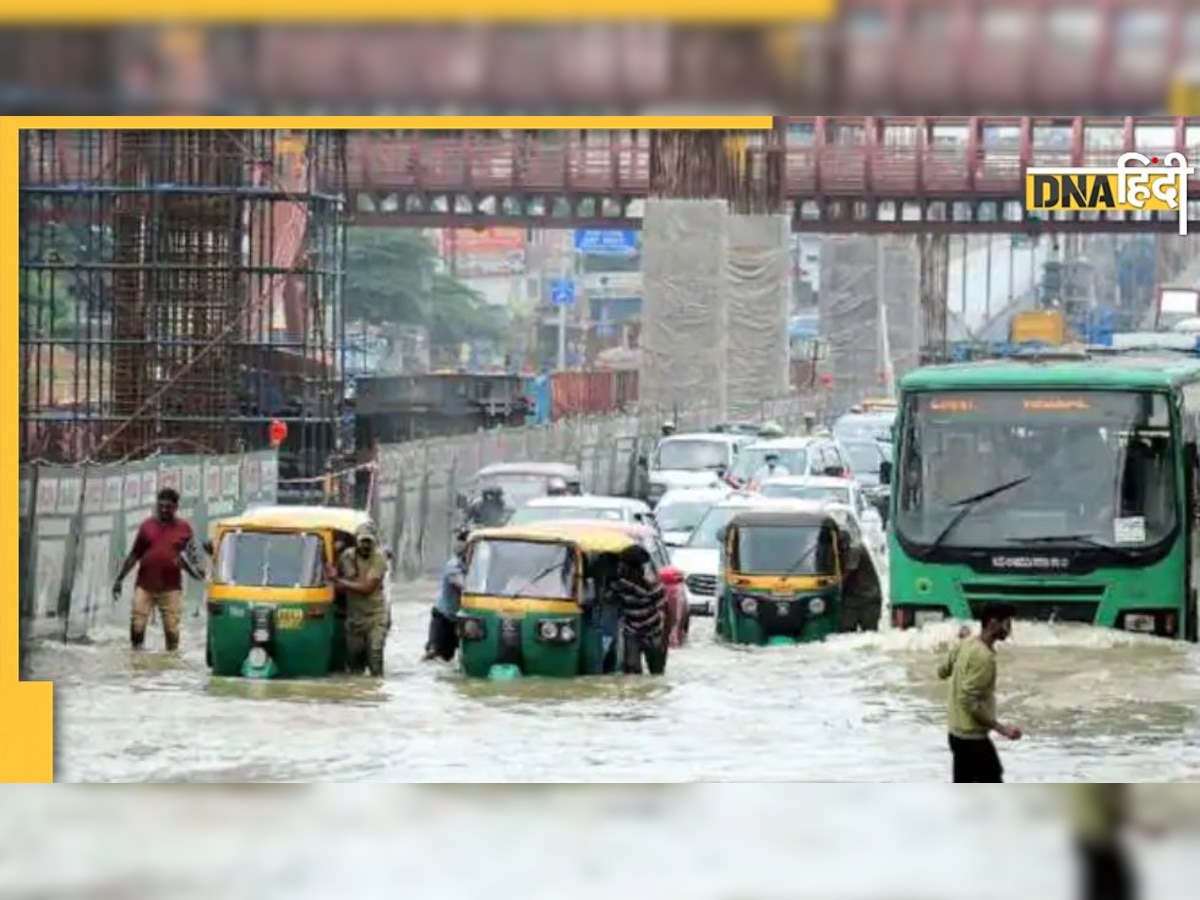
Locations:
{"points": [[472, 629], [261, 635], [567, 633], [816, 606], [257, 657], [749, 606], [548, 630]]}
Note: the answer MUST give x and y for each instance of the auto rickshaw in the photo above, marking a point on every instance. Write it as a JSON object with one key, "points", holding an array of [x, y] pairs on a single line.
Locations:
{"points": [[271, 611], [535, 601], [791, 576]]}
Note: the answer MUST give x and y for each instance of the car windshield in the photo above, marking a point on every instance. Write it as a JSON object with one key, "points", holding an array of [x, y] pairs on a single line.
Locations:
{"points": [[262, 559], [705, 536], [874, 426], [865, 456], [681, 515], [531, 514], [512, 568], [752, 459], [691, 454], [823, 493], [1095, 464], [518, 489], [783, 549]]}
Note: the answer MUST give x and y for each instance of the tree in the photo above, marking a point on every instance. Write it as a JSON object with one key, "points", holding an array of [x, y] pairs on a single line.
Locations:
{"points": [[393, 275]]}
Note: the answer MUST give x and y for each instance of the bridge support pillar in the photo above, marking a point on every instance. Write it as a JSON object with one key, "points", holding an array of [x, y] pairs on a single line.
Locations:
{"points": [[869, 307], [758, 290], [683, 347]]}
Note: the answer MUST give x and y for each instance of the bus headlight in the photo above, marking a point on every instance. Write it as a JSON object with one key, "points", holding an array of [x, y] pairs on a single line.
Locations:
{"points": [[749, 606], [816, 606]]}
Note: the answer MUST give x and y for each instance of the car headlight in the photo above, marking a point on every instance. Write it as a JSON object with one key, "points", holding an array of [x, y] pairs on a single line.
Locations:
{"points": [[257, 657], [749, 606], [816, 606]]}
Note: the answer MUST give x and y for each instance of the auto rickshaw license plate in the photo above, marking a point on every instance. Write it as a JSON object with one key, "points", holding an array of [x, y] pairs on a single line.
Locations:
{"points": [[289, 619]]}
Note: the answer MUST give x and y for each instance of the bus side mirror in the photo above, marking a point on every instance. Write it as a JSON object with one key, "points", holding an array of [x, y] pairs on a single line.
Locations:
{"points": [[460, 500], [885, 472], [642, 461]]}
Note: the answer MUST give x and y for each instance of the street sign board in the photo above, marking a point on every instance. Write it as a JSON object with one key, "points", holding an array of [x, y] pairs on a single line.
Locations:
{"points": [[606, 242], [562, 292]]}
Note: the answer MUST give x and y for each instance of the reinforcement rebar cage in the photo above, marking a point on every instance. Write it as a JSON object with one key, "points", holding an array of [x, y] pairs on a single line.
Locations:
{"points": [[179, 290]]}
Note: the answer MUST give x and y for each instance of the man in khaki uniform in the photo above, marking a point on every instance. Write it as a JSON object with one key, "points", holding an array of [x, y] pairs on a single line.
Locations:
{"points": [[360, 573], [971, 705]]}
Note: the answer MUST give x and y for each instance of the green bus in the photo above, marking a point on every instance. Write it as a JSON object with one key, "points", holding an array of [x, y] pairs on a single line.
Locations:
{"points": [[1066, 486]]}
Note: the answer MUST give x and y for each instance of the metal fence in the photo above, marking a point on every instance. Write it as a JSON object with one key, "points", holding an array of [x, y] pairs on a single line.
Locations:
{"points": [[77, 524], [416, 484]]}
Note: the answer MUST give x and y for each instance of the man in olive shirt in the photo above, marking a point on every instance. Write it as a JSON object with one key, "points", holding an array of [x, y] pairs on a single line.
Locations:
{"points": [[971, 705]]}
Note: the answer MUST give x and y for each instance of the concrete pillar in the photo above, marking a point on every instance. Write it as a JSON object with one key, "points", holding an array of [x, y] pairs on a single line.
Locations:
{"points": [[758, 285], [683, 347]]}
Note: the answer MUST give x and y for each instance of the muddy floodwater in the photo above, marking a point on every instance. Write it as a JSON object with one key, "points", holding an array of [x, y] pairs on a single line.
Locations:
{"points": [[1095, 705]]}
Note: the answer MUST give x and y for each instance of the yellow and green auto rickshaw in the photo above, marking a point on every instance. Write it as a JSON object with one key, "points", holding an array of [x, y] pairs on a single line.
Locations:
{"points": [[271, 611], [792, 576], [535, 601]]}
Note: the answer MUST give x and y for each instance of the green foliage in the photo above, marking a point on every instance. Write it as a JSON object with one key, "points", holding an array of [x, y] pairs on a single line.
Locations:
{"points": [[393, 276]]}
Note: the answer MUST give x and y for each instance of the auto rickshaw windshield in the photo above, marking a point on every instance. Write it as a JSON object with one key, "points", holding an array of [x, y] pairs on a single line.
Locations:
{"points": [[271, 559], [539, 570], [784, 550]]}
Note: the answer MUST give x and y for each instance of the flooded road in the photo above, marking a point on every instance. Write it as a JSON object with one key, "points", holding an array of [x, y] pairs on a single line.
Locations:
{"points": [[1095, 706]]}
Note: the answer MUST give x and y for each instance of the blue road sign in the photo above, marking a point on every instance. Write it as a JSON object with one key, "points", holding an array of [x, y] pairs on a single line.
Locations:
{"points": [[606, 242], [562, 292]]}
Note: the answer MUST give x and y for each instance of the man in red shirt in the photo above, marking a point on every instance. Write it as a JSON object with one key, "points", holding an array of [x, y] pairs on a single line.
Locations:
{"points": [[161, 551]]}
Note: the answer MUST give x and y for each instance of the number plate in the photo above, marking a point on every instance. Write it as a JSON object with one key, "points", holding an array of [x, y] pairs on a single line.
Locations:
{"points": [[289, 619]]}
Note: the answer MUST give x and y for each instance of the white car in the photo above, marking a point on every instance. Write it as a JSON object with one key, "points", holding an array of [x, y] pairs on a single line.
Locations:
{"points": [[700, 558], [589, 506], [691, 461], [680, 511], [842, 491]]}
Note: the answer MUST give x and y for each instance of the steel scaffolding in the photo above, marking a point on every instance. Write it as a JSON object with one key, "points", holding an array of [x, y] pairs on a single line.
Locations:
{"points": [[178, 291]]}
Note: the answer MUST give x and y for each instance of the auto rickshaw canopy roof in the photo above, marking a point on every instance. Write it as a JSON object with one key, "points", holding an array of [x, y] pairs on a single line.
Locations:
{"points": [[298, 518], [589, 537], [816, 518]]}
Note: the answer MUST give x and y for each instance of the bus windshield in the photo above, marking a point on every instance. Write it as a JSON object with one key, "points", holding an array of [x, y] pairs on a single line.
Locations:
{"points": [[531, 569], [1059, 468], [783, 550], [264, 559]]}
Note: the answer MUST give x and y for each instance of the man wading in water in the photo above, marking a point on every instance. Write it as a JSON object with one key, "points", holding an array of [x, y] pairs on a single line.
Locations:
{"points": [[643, 605], [971, 706], [161, 551]]}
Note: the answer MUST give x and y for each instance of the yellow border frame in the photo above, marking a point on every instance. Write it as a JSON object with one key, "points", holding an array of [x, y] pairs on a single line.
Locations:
{"points": [[76, 12], [27, 708]]}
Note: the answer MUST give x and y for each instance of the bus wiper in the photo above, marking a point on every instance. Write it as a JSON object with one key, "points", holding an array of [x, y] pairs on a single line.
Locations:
{"points": [[1088, 539], [968, 504]]}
